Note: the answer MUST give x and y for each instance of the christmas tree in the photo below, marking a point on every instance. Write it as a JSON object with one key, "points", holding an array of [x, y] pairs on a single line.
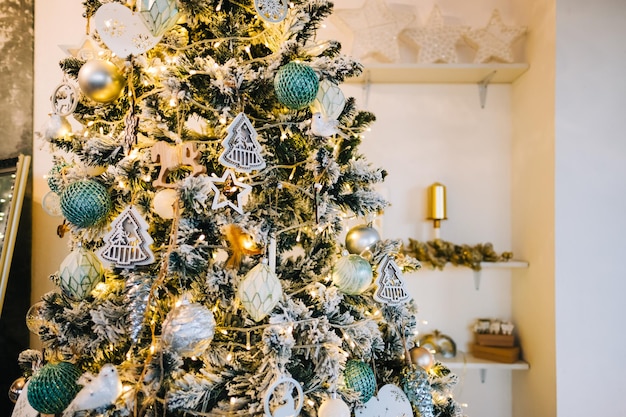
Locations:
{"points": [[205, 180]]}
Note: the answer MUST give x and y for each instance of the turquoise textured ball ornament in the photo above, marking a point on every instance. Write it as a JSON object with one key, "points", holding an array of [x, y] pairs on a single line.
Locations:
{"points": [[352, 274], [296, 85], [85, 203], [52, 389], [360, 377]]}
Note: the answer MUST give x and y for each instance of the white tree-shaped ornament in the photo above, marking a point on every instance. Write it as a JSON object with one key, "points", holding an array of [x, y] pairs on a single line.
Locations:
{"points": [[241, 149], [391, 286], [128, 243]]}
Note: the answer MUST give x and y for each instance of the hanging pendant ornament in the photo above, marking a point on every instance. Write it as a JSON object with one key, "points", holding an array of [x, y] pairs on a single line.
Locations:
{"points": [[131, 124], [242, 151], [391, 286], [123, 31], [171, 157], [329, 101], [282, 392], [390, 401], [159, 16], [352, 274], [260, 291], [417, 388], [127, 245], [231, 192], [188, 329], [272, 11], [64, 99], [240, 244], [101, 80], [79, 273]]}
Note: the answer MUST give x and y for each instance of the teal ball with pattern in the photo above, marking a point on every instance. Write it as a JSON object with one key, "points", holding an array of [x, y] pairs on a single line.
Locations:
{"points": [[85, 203], [53, 387], [360, 377], [296, 85]]}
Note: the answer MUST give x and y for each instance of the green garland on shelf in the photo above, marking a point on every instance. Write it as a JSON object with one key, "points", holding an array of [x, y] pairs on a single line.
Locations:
{"points": [[439, 252]]}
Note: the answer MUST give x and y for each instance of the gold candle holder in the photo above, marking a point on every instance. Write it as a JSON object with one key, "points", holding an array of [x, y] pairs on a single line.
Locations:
{"points": [[437, 205]]}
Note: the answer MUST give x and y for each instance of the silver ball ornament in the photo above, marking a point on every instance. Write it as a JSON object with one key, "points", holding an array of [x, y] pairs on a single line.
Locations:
{"points": [[422, 357], [101, 80], [188, 329], [361, 238], [15, 390]]}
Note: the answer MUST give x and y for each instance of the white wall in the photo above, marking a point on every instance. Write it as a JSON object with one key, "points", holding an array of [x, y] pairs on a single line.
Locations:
{"points": [[590, 179]]}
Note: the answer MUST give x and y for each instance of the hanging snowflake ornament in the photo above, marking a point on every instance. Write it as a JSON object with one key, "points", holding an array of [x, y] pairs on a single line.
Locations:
{"points": [[282, 393], [272, 11], [64, 99], [242, 151], [391, 286], [159, 16], [128, 243], [229, 192], [260, 291]]}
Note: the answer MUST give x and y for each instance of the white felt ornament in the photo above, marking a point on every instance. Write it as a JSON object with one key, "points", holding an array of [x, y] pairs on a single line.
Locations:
{"points": [[123, 31], [391, 286], [260, 291], [325, 127], [98, 391], [391, 401], [242, 151], [128, 242]]}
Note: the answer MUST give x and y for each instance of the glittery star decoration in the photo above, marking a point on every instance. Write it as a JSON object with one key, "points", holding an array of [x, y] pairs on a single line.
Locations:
{"points": [[375, 28], [88, 49], [495, 41], [230, 191], [436, 40]]}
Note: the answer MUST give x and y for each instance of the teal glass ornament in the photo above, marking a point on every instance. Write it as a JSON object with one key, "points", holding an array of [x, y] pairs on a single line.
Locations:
{"points": [[360, 377], [296, 85], [85, 203], [53, 387]]}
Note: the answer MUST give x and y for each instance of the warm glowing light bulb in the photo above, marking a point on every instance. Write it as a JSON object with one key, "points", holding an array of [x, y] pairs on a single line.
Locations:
{"points": [[229, 357]]}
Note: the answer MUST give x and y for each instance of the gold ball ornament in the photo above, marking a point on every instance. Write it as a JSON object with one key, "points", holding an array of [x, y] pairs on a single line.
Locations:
{"points": [[34, 317], [15, 390], [422, 357], [101, 80], [361, 238]]}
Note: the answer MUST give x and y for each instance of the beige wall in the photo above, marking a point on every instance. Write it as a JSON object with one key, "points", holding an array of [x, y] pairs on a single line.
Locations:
{"points": [[534, 392]]}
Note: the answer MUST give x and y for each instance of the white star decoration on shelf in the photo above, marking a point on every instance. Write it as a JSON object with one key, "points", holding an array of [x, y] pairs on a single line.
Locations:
{"points": [[375, 29], [436, 41], [87, 50], [230, 193], [495, 41]]}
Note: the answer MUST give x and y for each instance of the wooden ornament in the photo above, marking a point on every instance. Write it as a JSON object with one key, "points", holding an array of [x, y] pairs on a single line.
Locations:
{"points": [[128, 243], [282, 392], [229, 192], [171, 157], [391, 286], [242, 151]]}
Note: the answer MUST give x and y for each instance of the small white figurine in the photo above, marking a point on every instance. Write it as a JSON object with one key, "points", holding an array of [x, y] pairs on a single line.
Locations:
{"points": [[325, 127], [507, 327], [494, 327], [97, 391]]}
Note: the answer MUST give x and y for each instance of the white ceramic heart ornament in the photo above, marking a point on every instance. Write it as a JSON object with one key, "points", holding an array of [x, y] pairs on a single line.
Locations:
{"points": [[391, 401], [123, 31]]}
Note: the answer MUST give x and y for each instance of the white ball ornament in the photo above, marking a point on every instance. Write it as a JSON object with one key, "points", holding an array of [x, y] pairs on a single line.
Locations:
{"points": [[352, 274], [101, 80], [334, 407], [361, 238], [188, 329], [163, 203]]}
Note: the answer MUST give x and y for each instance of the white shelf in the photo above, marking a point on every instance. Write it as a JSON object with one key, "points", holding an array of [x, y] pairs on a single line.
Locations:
{"points": [[465, 360], [504, 265], [440, 73]]}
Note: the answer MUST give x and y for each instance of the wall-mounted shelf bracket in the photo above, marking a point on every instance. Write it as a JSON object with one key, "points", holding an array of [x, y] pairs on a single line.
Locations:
{"points": [[482, 88], [477, 280], [483, 375]]}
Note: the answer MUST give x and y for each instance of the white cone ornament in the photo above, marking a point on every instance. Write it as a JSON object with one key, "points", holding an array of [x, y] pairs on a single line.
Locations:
{"points": [[188, 329], [260, 291], [79, 273], [352, 274], [334, 407]]}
